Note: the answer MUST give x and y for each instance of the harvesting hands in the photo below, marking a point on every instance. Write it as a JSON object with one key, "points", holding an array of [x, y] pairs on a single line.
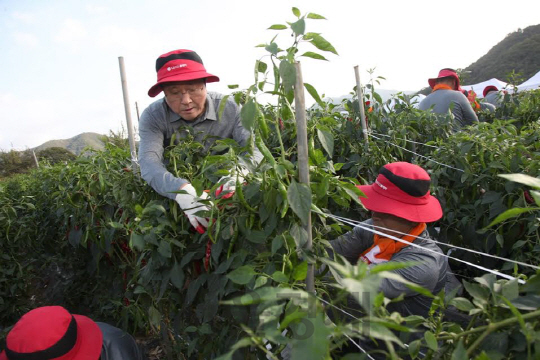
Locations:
{"points": [[189, 203], [228, 182], [182, 78]]}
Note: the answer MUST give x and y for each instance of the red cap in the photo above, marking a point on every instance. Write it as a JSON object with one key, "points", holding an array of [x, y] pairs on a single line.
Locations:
{"points": [[179, 65], [445, 73], [52, 333], [402, 189], [489, 88]]}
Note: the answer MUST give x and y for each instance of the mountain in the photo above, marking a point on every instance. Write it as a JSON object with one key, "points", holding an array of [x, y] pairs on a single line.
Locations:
{"points": [[518, 52], [76, 144]]}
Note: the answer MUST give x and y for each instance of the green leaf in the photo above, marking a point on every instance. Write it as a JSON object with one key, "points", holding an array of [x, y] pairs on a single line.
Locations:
{"points": [[315, 16], [165, 249], [177, 276], [311, 90], [300, 271], [314, 55], [414, 348], [287, 71], [261, 281], [431, 341], [265, 294], [300, 236], [242, 275], [510, 290], [320, 43], [299, 196], [462, 304], [327, 141], [154, 316], [261, 66], [536, 196], [234, 86], [311, 339], [280, 277], [353, 192], [277, 27], [277, 243], [272, 48], [510, 213], [296, 12], [523, 179], [249, 114], [392, 265], [478, 292], [222, 104], [299, 27], [244, 342], [459, 352], [137, 241]]}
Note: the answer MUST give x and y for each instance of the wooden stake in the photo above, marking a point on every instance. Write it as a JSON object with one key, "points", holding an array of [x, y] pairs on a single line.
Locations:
{"points": [[303, 158], [133, 150], [361, 103]]}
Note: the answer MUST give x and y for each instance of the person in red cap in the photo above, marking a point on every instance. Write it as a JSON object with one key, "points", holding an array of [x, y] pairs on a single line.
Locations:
{"points": [[492, 95], [446, 97], [52, 333], [182, 78], [400, 205]]}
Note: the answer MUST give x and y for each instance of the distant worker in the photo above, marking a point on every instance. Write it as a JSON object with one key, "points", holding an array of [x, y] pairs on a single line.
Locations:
{"points": [[51, 332], [182, 77], [446, 96], [493, 96], [478, 105]]}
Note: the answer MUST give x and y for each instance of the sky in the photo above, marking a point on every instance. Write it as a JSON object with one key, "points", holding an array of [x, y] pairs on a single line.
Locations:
{"points": [[59, 67]]}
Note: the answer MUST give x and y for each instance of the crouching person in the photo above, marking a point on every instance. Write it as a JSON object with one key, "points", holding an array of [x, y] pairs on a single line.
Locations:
{"points": [[52, 333], [400, 205]]}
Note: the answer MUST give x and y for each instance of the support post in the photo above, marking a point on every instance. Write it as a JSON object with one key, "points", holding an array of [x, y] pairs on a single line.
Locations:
{"points": [[303, 158], [133, 150], [361, 103], [35, 159]]}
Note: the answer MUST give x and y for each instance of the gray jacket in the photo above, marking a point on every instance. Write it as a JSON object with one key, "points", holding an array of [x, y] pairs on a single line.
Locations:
{"points": [[431, 273], [159, 123], [442, 101], [494, 97]]}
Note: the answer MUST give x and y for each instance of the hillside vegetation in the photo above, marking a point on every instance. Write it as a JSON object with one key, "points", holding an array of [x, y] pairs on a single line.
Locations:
{"points": [[76, 144], [518, 52]]}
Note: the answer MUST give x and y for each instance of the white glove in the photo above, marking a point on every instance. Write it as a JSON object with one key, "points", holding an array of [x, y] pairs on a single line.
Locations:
{"points": [[229, 182], [189, 204]]}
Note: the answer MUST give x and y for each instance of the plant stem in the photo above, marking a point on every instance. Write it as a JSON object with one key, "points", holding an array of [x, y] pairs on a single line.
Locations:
{"points": [[495, 326], [489, 330]]}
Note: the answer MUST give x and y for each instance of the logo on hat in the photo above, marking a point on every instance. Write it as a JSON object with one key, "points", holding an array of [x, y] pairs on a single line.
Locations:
{"points": [[176, 67], [381, 185]]}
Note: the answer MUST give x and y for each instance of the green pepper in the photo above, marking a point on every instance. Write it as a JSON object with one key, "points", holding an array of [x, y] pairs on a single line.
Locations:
{"points": [[283, 192], [264, 150], [241, 197], [263, 126], [233, 240]]}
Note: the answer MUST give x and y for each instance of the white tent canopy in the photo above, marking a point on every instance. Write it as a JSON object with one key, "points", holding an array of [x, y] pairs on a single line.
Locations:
{"points": [[531, 84], [479, 88]]}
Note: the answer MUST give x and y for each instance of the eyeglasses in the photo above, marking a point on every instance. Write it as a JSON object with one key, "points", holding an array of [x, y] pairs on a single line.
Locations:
{"points": [[176, 93]]}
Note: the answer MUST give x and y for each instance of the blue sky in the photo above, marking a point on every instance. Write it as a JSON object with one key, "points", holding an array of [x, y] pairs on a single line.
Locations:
{"points": [[59, 72]]}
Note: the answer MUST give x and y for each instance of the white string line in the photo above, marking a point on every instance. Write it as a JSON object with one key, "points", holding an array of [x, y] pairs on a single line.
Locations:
{"points": [[422, 156], [354, 317], [509, 277], [449, 245], [360, 320], [411, 141]]}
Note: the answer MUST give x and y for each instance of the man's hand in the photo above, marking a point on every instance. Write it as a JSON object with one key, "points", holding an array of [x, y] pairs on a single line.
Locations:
{"points": [[189, 204], [229, 182]]}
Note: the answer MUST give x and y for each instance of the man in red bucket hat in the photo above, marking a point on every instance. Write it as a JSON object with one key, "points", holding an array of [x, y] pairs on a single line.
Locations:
{"points": [[400, 205], [186, 104], [446, 97], [52, 333], [493, 96]]}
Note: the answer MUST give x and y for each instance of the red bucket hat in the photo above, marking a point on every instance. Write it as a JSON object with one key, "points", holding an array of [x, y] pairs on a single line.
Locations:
{"points": [[488, 89], [402, 190], [51, 332], [179, 65], [445, 73]]}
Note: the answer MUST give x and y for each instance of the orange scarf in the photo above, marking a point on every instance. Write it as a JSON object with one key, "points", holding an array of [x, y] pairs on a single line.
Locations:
{"points": [[384, 248], [441, 87]]}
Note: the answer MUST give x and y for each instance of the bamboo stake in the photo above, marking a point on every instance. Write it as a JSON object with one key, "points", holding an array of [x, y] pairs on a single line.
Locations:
{"points": [[35, 159], [133, 150], [303, 165], [361, 103], [137, 109]]}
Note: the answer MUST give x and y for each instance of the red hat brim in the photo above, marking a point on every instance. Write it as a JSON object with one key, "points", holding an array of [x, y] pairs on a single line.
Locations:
{"points": [[194, 75], [89, 341], [428, 212], [433, 81]]}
